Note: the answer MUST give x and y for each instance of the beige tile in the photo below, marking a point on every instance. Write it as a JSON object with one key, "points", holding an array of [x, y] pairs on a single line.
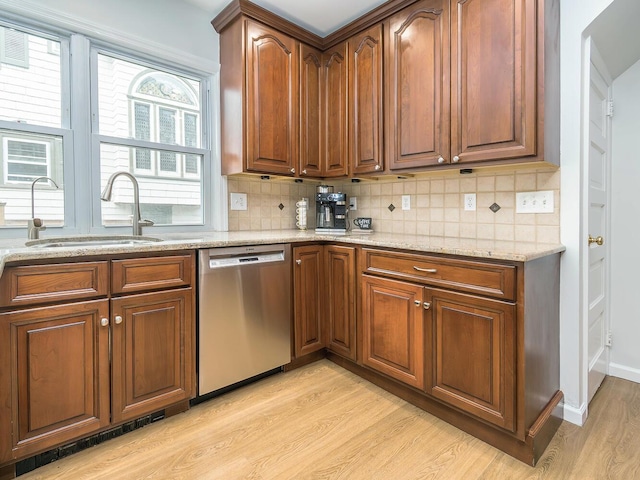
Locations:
{"points": [[548, 234], [504, 216], [436, 229], [468, 230], [255, 187], [423, 187], [436, 200], [485, 231], [525, 233], [256, 223], [525, 219], [386, 189], [410, 228], [376, 189], [436, 214], [437, 186], [486, 184], [485, 215], [452, 215], [244, 224], [410, 187], [548, 180], [468, 185], [234, 224], [467, 216], [505, 232], [452, 229], [550, 219], [423, 215], [506, 199], [505, 183], [452, 200], [526, 182], [422, 228], [452, 185], [422, 201], [485, 200]]}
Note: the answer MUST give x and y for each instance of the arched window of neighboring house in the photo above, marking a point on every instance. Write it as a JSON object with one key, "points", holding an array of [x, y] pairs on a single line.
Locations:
{"points": [[165, 110]]}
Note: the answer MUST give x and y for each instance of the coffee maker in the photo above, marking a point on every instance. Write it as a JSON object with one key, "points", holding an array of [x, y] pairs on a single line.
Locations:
{"points": [[331, 211]]}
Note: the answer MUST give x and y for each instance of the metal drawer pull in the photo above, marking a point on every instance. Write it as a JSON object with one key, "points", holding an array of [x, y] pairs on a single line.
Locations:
{"points": [[417, 302], [426, 270], [104, 322], [427, 305], [118, 319]]}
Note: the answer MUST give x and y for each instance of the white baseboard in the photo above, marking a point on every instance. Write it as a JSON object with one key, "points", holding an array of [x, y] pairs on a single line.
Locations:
{"points": [[575, 415], [622, 371]]}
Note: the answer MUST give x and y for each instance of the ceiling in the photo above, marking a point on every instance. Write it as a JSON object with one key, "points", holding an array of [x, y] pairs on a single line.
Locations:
{"points": [[321, 17], [616, 35]]}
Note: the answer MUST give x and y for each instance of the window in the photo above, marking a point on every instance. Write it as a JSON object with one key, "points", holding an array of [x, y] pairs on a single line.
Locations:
{"points": [[149, 125], [33, 126], [14, 47]]}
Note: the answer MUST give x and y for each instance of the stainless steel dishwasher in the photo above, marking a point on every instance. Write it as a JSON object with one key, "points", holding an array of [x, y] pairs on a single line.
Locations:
{"points": [[244, 313]]}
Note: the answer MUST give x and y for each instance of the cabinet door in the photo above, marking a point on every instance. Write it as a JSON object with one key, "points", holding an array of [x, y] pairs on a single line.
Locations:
{"points": [[365, 102], [393, 329], [472, 363], [310, 111], [55, 376], [341, 302], [417, 85], [272, 100], [334, 108], [152, 352], [309, 299], [493, 72]]}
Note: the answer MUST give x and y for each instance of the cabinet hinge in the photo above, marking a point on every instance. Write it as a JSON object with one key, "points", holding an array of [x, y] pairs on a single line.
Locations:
{"points": [[609, 109], [608, 340]]}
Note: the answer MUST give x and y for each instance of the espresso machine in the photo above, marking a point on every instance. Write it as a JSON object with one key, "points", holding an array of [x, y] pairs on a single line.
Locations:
{"points": [[331, 211]]}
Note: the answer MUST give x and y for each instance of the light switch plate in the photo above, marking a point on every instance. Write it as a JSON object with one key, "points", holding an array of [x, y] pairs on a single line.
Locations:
{"points": [[238, 201], [353, 204], [535, 202]]}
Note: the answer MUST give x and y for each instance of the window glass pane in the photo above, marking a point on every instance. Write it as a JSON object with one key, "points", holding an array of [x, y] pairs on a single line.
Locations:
{"points": [[25, 157], [166, 200], [30, 79], [169, 98]]}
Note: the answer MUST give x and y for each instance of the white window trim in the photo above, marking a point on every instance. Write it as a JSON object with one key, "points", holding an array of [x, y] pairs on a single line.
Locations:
{"points": [[6, 161]]}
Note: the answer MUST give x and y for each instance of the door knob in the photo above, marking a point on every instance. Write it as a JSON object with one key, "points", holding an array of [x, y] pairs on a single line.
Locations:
{"points": [[417, 302], [455, 159], [298, 262], [441, 159], [597, 240], [104, 322], [118, 319], [427, 305]]}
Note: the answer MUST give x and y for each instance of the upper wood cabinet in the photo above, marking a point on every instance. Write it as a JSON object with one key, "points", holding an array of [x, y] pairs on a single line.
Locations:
{"points": [[366, 153], [335, 84], [311, 126], [417, 87], [259, 99], [470, 82], [494, 84]]}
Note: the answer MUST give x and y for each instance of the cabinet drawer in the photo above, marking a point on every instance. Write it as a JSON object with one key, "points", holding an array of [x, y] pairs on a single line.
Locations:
{"points": [[468, 276], [50, 283], [153, 273]]}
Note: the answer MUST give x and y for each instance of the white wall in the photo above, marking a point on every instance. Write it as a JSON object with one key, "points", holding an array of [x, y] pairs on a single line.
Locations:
{"points": [[625, 233], [175, 30]]}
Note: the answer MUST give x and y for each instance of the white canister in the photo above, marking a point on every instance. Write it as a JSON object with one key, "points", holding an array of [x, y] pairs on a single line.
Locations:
{"points": [[302, 207]]}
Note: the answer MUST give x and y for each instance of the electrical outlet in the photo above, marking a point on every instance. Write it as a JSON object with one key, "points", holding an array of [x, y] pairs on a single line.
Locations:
{"points": [[534, 202], [406, 202], [470, 202], [238, 201], [353, 204]]}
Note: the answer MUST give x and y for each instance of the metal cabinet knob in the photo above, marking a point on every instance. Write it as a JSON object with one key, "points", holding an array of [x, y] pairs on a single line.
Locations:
{"points": [[304, 172], [118, 319], [293, 170], [377, 167], [298, 262], [455, 159], [597, 240], [104, 322], [418, 303], [440, 159], [427, 305]]}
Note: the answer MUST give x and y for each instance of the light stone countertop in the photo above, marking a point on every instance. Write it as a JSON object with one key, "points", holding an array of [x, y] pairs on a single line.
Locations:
{"points": [[14, 250]]}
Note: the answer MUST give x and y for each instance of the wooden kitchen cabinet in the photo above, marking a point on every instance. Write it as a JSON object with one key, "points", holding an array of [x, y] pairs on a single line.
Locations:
{"points": [[259, 85], [340, 268], [151, 364], [365, 51], [472, 363], [54, 376], [86, 351], [417, 85], [311, 85], [393, 329], [309, 299]]}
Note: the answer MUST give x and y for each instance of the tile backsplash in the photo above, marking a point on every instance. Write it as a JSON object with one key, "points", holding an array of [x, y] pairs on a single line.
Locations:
{"points": [[437, 204]]}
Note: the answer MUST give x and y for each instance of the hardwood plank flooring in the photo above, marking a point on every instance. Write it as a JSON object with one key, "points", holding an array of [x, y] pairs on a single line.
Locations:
{"points": [[323, 422]]}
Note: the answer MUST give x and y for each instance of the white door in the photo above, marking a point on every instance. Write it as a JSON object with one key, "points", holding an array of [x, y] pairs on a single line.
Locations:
{"points": [[598, 178]]}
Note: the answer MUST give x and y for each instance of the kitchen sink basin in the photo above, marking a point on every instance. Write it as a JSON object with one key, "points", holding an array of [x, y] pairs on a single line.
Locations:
{"points": [[92, 241]]}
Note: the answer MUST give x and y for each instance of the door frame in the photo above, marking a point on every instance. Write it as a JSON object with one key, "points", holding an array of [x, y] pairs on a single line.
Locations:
{"points": [[591, 55]]}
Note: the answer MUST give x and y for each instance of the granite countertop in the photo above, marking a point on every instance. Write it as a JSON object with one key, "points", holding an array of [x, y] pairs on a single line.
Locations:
{"points": [[14, 250]]}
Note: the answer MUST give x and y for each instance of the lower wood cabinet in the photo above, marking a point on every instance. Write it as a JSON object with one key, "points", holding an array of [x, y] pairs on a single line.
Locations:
{"points": [[150, 362], [324, 291], [471, 364], [69, 370], [393, 329]]}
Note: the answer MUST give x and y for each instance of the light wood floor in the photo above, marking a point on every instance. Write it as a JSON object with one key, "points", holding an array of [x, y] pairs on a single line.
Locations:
{"points": [[322, 422]]}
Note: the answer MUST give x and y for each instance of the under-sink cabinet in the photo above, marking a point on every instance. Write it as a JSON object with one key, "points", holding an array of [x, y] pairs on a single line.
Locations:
{"points": [[92, 344]]}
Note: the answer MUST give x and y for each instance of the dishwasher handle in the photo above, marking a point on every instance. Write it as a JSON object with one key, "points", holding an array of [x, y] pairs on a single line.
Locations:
{"points": [[218, 259]]}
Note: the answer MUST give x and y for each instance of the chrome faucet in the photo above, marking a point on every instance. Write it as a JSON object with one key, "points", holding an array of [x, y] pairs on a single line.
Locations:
{"points": [[138, 223], [34, 225]]}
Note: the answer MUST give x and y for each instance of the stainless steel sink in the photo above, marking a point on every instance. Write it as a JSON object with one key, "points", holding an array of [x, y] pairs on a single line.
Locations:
{"points": [[92, 241]]}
